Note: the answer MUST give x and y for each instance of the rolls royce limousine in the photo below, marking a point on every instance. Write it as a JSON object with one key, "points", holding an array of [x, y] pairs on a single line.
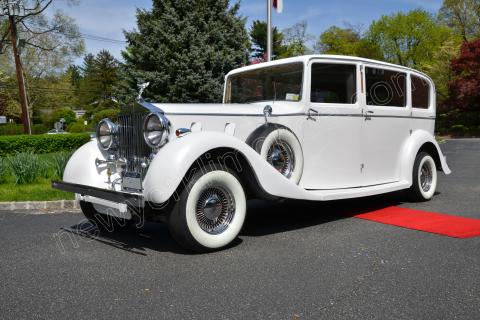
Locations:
{"points": [[315, 127]]}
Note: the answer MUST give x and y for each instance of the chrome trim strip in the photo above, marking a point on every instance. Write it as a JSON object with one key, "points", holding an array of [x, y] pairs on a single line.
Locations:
{"points": [[371, 116], [233, 114], [358, 187], [296, 114]]}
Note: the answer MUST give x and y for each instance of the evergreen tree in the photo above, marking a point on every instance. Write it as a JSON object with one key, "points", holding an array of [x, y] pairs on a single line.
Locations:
{"points": [[100, 75], [258, 34], [105, 73], [184, 49]]}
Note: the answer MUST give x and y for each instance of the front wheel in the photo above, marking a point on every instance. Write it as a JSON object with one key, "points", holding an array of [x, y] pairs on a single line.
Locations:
{"points": [[424, 178], [210, 211]]}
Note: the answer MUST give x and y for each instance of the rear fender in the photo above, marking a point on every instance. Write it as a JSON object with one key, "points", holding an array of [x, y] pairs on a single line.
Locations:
{"points": [[421, 139]]}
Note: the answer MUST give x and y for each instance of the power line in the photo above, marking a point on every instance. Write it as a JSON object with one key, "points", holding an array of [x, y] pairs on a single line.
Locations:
{"points": [[51, 90], [81, 35], [98, 38]]}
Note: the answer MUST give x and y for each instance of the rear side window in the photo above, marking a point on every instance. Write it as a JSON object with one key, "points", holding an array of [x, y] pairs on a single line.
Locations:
{"points": [[420, 93], [334, 83], [385, 87]]}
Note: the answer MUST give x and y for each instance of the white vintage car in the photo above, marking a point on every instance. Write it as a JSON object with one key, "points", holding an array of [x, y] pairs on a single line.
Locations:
{"points": [[313, 127]]}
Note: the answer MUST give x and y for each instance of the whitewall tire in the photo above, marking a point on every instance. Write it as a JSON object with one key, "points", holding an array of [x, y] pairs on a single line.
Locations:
{"points": [[281, 148], [424, 178], [210, 211]]}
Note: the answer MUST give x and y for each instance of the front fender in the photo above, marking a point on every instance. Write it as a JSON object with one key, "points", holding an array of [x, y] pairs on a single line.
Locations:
{"points": [[411, 148], [81, 168], [174, 160]]}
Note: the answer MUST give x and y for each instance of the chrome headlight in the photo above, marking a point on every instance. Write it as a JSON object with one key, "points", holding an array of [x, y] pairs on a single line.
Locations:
{"points": [[107, 134], [156, 129]]}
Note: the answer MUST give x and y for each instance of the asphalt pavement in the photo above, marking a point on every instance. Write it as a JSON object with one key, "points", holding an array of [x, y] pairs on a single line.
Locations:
{"points": [[293, 260]]}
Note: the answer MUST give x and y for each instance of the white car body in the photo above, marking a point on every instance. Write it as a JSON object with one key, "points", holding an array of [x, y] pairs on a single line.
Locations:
{"points": [[349, 150]]}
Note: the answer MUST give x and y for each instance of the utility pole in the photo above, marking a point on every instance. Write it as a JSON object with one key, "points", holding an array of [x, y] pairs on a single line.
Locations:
{"points": [[12, 6], [269, 30]]}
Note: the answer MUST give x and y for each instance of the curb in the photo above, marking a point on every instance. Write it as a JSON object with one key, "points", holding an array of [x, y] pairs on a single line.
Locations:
{"points": [[39, 205]]}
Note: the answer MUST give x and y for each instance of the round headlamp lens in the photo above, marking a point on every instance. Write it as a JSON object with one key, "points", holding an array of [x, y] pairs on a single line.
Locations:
{"points": [[155, 130], [106, 131]]}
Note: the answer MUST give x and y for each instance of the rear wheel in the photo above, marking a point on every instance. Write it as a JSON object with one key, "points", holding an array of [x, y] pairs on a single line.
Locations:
{"points": [[424, 178], [210, 211]]}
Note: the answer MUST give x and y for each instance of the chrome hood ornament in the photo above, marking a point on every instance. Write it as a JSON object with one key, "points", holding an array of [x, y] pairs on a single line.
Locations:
{"points": [[141, 89]]}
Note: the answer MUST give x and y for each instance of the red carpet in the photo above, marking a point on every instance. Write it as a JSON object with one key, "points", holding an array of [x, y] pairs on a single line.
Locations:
{"points": [[438, 223]]}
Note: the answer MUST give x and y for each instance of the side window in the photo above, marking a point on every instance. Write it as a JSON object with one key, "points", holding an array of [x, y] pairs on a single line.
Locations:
{"points": [[420, 93], [386, 88], [334, 83]]}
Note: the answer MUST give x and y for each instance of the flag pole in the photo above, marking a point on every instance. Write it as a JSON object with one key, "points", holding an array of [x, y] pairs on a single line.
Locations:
{"points": [[269, 30]]}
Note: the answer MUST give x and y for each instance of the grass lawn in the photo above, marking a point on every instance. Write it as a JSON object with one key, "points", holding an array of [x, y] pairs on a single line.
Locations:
{"points": [[38, 191]]}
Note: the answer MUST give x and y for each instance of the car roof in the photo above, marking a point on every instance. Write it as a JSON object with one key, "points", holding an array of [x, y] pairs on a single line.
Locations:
{"points": [[307, 58]]}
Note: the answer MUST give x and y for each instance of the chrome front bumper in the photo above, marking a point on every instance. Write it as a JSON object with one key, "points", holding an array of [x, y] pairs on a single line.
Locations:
{"points": [[127, 199]]}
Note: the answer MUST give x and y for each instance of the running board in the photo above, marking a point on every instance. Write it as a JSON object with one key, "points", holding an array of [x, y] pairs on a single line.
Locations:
{"points": [[338, 194]]}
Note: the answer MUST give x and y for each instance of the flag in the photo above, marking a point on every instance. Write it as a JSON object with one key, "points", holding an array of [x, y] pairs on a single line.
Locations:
{"points": [[278, 5]]}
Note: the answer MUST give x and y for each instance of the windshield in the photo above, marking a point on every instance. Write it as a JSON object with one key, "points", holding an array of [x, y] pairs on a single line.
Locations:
{"points": [[277, 83]]}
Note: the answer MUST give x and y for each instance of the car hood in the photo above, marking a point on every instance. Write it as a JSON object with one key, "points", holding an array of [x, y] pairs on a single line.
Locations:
{"points": [[206, 109], [279, 108]]}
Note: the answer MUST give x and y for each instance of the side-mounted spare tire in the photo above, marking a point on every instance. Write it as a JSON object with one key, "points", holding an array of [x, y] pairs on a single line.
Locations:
{"points": [[281, 148]]}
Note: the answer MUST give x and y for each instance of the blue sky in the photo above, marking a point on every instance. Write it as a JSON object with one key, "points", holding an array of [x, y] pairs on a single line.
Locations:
{"points": [[107, 18]]}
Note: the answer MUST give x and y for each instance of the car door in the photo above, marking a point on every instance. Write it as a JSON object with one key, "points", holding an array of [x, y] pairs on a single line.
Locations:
{"points": [[386, 124], [332, 131], [423, 103]]}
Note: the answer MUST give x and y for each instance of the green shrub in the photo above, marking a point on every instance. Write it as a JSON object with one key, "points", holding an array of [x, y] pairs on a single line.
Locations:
{"points": [[66, 113], [15, 129], [25, 167], [79, 126], [3, 170], [76, 127], [59, 163], [459, 130], [111, 114], [46, 143]]}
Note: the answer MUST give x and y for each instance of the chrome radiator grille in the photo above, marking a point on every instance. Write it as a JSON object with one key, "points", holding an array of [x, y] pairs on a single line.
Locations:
{"points": [[132, 145]]}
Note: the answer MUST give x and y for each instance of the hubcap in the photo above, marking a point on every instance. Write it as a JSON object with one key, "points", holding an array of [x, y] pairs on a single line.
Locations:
{"points": [[281, 157], [215, 210], [426, 176]]}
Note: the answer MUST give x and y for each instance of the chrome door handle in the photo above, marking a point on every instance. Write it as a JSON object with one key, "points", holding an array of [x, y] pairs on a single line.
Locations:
{"points": [[312, 114], [367, 115]]}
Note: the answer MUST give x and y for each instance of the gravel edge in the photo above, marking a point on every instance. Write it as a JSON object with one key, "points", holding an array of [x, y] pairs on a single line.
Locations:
{"points": [[39, 205]]}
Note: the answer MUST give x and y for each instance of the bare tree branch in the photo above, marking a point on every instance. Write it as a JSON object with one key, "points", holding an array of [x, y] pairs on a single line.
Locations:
{"points": [[40, 47], [36, 11], [38, 32]]}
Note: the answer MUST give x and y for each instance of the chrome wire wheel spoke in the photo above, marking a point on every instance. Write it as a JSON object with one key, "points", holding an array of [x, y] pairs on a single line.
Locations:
{"points": [[215, 210], [426, 176], [281, 157]]}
